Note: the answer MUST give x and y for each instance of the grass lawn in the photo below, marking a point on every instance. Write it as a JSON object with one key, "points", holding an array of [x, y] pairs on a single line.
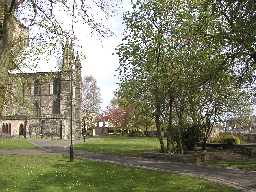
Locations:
{"points": [[55, 174], [120, 145], [248, 165], [15, 143]]}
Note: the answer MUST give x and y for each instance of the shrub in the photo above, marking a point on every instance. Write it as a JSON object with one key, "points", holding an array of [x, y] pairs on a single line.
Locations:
{"points": [[230, 140], [226, 138], [191, 136]]}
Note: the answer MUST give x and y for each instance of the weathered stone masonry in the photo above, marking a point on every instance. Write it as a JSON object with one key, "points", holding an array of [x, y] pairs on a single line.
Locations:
{"points": [[40, 103]]}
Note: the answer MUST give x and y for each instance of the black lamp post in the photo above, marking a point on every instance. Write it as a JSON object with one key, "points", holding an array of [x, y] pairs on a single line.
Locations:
{"points": [[71, 150]]}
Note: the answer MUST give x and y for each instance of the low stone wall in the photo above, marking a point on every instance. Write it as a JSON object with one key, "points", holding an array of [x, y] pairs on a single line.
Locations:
{"points": [[249, 138], [245, 149]]}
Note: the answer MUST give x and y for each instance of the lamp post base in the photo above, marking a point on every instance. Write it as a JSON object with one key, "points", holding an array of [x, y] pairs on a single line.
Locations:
{"points": [[71, 153]]}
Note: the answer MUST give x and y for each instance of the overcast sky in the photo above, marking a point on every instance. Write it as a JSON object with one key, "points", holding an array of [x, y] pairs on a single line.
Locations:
{"points": [[100, 61]]}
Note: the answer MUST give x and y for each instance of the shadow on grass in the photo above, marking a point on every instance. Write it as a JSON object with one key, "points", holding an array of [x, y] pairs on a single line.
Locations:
{"points": [[101, 177]]}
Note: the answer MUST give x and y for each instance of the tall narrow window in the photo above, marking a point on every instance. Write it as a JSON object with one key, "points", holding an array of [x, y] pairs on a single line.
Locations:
{"points": [[56, 96], [1, 30], [56, 86], [36, 108], [37, 87]]}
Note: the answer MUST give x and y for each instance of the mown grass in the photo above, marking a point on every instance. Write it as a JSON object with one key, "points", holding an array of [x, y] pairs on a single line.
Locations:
{"points": [[120, 145], [15, 143], [56, 174]]}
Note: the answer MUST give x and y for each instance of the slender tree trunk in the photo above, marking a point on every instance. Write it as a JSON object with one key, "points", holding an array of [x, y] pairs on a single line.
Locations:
{"points": [[207, 132], [158, 127], [180, 145], [181, 125], [170, 127]]}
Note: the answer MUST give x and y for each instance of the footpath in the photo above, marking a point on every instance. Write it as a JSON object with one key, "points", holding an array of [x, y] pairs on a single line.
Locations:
{"points": [[242, 180]]}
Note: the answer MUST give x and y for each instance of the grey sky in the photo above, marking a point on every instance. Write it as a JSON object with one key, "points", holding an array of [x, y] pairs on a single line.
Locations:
{"points": [[100, 62]]}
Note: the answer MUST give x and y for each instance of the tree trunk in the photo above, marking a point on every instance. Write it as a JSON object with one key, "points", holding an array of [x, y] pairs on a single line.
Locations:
{"points": [[158, 127], [169, 129], [181, 125]]}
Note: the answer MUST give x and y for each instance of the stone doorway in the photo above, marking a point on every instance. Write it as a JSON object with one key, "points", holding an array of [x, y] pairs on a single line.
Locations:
{"points": [[21, 130]]}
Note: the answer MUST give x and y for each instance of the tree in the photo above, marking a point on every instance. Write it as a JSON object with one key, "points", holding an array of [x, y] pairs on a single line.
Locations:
{"points": [[167, 61], [90, 102], [143, 55], [235, 23], [118, 117], [91, 97]]}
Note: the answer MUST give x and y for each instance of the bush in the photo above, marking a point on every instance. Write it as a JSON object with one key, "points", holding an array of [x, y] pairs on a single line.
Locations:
{"points": [[231, 140], [191, 136], [226, 138], [136, 133]]}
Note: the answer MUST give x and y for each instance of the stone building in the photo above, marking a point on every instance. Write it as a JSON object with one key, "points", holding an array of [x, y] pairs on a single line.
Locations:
{"points": [[40, 103], [36, 103]]}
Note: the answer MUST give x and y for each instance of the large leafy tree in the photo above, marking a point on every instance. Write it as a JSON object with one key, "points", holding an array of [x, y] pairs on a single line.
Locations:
{"points": [[143, 54], [235, 23], [169, 59]]}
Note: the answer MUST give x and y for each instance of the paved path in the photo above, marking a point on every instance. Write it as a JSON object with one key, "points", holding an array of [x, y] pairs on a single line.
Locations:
{"points": [[22, 152], [245, 181]]}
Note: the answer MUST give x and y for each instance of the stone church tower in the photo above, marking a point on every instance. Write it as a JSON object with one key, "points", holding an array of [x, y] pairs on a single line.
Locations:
{"points": [[71, 85]]}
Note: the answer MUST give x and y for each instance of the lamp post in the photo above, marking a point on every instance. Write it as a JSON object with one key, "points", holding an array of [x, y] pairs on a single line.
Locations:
{"points": [[71, 150]]}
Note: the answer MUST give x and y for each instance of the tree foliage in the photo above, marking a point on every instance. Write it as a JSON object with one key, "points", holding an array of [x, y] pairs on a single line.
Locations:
{"points": [[91, 97], [173, 59]]}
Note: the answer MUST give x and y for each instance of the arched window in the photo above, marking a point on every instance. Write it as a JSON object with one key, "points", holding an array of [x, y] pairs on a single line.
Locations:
{"points": [[1, 29], [36, 108], [21, 129], [37, 90], [56, 96]]}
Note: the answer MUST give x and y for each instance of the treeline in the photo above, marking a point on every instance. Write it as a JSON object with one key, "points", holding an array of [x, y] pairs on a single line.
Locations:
{"points": [[187, 65]]}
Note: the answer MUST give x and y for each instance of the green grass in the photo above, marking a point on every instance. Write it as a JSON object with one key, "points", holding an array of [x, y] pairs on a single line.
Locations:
{"points": [[14, 143], [55, 174], [120, 145], [248, 165]]}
